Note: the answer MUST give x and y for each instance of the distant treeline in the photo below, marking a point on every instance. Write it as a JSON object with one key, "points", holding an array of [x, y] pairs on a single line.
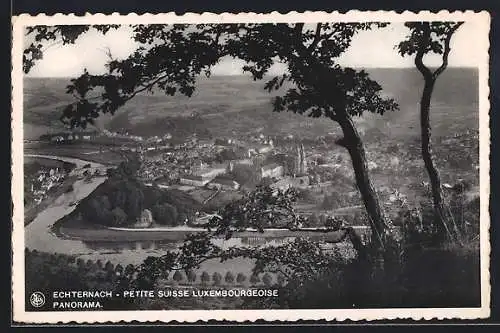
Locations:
{"points": [[89, 272]]}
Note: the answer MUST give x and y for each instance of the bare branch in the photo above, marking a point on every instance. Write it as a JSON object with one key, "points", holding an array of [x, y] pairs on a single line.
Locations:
{"points": [[317, 37], [447, 50], [146, 86], [107, 50], [298, 29]]}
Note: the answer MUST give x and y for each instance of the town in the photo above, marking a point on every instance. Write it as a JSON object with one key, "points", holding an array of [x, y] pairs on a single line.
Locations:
{"points": [[216, 171]]}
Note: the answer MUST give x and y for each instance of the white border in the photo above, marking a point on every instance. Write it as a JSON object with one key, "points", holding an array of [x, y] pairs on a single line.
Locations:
{"points": [[19, 313]]}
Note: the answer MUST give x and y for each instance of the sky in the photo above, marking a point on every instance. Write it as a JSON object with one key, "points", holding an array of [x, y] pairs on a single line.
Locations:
{"points": [[374, 48]]}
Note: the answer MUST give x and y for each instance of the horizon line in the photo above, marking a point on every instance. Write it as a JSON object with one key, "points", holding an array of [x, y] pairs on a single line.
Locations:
{"points": [[247, 74]]}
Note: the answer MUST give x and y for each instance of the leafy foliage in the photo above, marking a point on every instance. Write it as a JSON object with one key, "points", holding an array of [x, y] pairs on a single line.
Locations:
{"points": [[59, 34], [428, 37], [166, 214], [254, 279], [191, 275], [246, 175], [229, 277], [216, 278], [267, 279], [170, 57], [240, 278], [262, 208], [280, 279], [49, 273], [177, 276], [205, 277], [119, 217]]}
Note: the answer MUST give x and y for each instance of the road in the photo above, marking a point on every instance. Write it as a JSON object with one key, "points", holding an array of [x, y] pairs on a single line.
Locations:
{"points": [[213, 195], [79, 163]]}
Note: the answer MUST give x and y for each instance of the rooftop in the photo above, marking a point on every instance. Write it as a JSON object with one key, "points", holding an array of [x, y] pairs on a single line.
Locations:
{"points": [[193, 177], [225, 181], [271, 166]]}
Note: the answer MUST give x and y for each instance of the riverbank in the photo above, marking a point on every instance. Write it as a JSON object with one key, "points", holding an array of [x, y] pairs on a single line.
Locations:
{"points": [[105, 158], [68, 164], [70, 228], [77, 162]]}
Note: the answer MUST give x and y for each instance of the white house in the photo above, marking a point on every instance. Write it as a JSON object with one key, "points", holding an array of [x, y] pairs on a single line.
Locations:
{"points": [[211, 172], [272, 170], [289, 182], [259, 149], [245, 161], [57, 138], [145, 220], [224, 184], [194, 180]]}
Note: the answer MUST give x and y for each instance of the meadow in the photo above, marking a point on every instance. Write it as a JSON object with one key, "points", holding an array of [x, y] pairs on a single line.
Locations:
{"points": [[228, 105]]}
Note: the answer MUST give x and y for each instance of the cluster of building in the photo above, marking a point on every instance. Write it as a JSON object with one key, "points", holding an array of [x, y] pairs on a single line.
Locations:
{"points": [[68, 137], [218, 176], [197, 162], [89, 136], [194, 163], [203, 175], [43, 181], [171, 162], [124, 135]]}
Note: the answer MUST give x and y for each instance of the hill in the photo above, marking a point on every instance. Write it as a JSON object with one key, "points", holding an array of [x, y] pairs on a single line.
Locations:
{"points": [[229, 105], [120, 200]]}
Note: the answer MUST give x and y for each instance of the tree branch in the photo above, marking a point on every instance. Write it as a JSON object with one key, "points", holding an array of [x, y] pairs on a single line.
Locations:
{"points": [[317, 37], [298, 29], [217, 38], [447, 50], [422, 49], [146, 86]]}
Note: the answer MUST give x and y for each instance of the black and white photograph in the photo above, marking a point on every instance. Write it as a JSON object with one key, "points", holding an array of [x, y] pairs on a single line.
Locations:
{"points": [[332, 164]]}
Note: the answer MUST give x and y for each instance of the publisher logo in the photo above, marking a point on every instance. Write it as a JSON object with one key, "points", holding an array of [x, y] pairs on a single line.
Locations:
{"points": [[37, 299]]}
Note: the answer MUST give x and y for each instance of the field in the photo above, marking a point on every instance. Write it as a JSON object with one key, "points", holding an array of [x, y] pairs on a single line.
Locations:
{"points": [[237, 105]]}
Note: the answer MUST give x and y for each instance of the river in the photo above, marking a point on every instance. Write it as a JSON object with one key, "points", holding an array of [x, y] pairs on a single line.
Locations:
{"points": [[38, 234]]}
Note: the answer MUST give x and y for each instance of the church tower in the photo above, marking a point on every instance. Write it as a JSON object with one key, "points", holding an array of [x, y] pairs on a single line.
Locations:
{"points": [[300, 161], [303, 162]]}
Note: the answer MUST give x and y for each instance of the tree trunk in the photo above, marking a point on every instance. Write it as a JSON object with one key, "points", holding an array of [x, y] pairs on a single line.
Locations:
{"points": [[434, 178], [354, 145]]}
